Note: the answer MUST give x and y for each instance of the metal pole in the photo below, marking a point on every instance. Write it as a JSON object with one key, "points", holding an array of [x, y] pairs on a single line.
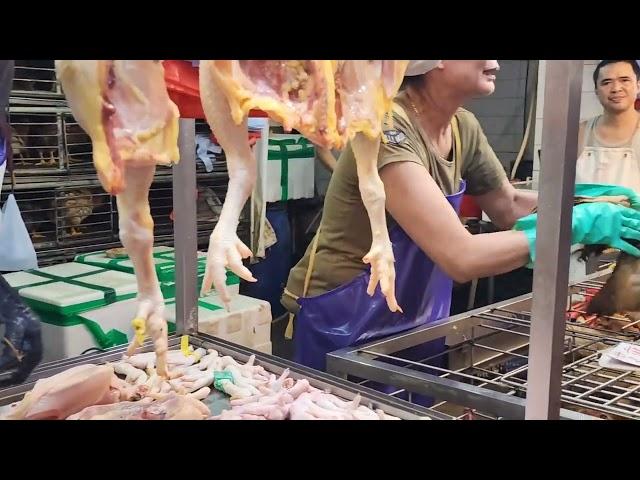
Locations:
{"points": [[185, 232], [551, 275]]}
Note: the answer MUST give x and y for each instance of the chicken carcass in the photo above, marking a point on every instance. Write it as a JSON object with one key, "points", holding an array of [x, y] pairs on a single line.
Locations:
{"points": [[68, 392], [172, 407], [330, 102], [621, 293], [124, 107]]}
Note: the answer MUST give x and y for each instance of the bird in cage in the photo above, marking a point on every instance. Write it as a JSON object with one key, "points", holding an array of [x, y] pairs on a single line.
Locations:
{"points": [[43, 136], [74, 207], [18, 143]]}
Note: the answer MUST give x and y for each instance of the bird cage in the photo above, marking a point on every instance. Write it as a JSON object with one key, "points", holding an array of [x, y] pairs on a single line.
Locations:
{"points": [[61, 218], [77, 144], [64, 207], [37, 142], [35, 78]]}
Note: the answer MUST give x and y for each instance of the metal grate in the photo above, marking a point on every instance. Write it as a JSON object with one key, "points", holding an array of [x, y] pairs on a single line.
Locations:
{"points": [[66, 216], [77, 143], [35, 78], [619, 326], [64, 221], [37, 143], [51, 149], [490, 352], [585, 383]]}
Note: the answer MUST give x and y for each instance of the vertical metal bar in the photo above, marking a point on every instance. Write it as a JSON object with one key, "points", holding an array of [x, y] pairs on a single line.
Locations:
{"points": [[551, 275], [185, 234]]}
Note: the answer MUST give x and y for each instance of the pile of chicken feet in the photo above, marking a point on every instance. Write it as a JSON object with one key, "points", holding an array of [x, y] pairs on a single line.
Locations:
{"points": [[131, 389]]}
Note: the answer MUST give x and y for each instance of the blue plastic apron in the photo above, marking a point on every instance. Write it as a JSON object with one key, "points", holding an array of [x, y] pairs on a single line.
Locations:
{"points": [[347, 316]]}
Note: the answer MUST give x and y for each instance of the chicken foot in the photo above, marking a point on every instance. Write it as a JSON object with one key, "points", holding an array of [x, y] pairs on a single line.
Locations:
{"points": [[380, 257], [225, 248], [136, 234]]}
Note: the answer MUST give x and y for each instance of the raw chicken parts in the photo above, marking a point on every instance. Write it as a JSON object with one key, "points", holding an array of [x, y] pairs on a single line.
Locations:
{"points": [[94, 392], [66, 393], [172, 407], [124, 107], [328, 101]]}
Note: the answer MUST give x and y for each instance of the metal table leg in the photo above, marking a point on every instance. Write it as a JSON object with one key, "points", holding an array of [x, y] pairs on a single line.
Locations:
{"points": [[551, 275], [185, 232]]}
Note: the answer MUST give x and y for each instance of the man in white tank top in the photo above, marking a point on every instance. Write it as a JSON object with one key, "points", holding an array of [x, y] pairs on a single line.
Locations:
{"points": [[609, 144]]}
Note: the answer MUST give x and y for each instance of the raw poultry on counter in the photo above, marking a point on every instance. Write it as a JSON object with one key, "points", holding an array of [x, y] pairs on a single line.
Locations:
{"points": [[124, 107], [131, 389], [614, 308]]}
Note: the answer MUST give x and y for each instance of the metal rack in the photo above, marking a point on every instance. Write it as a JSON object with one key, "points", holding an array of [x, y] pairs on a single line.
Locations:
{"points": [[488, 363], [184, 187]]}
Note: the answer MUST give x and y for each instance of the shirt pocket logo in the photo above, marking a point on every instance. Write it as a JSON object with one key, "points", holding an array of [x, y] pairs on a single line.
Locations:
{"points": [[394, 136]]}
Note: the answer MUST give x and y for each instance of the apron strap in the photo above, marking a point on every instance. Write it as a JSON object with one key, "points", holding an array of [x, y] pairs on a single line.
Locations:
{"points": [[288, 334], [457, 150], [314, 248]]}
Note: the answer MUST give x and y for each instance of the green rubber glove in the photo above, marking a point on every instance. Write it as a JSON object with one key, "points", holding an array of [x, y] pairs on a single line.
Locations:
{"points": [[599, 190], [593, 224]]}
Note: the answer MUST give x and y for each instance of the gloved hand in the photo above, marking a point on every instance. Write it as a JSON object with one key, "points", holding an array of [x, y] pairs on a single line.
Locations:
{"points": [[22, 340], [593, 224], [601, 190]]}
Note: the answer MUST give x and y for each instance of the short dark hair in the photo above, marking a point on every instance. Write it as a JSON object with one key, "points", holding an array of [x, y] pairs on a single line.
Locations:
{"points": [[633, 63]]}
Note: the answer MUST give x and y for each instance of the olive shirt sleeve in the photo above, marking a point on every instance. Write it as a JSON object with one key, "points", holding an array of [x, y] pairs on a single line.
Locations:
{"points": [[398, 144], [480, 168]]}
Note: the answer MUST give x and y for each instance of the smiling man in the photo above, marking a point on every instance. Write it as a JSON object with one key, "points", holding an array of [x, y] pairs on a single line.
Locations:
{"points": [[609, 144]]}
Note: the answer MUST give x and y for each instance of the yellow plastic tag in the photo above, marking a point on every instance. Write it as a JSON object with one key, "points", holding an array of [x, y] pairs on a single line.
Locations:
{"points": [[140, 329], [184, 345]]}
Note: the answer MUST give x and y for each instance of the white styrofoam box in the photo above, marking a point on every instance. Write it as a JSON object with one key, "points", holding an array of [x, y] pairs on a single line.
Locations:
{"points": [[61, 294], [19, 279], [248, 323], [172, 255], [123, 283], [70, 269], [301, 173], [63, 342]]}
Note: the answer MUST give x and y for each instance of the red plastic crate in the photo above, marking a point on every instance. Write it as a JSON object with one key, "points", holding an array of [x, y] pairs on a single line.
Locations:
{"points": [[183, 86], [469, 208]]}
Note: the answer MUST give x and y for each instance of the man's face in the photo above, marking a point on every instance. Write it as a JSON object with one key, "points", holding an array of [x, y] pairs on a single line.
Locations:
{"points": [[617, 87]]}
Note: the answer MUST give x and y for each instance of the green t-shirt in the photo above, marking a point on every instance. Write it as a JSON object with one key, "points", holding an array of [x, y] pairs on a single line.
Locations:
{"points": [[345, 234]]}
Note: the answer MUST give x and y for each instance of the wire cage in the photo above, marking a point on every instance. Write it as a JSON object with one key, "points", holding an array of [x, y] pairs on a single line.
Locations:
{"points": [[35, 78]]}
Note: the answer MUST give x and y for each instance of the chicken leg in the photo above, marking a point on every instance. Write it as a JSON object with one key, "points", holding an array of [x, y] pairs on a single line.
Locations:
{"points": [[225, 248], [329, 102], [136, 234], [124, 107], [380, 257]]}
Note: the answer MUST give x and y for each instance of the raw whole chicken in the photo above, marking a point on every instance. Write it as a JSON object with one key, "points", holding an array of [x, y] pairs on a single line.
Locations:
{"points": [[171, 407], [330, 102], [124, 107], [68, 392]]}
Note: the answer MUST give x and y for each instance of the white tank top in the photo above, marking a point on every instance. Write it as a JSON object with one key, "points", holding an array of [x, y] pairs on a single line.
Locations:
{"points": [[617, 164]]}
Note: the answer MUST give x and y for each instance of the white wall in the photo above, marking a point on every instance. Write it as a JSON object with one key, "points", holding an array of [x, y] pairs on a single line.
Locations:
{"points": [[589, 105]]}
